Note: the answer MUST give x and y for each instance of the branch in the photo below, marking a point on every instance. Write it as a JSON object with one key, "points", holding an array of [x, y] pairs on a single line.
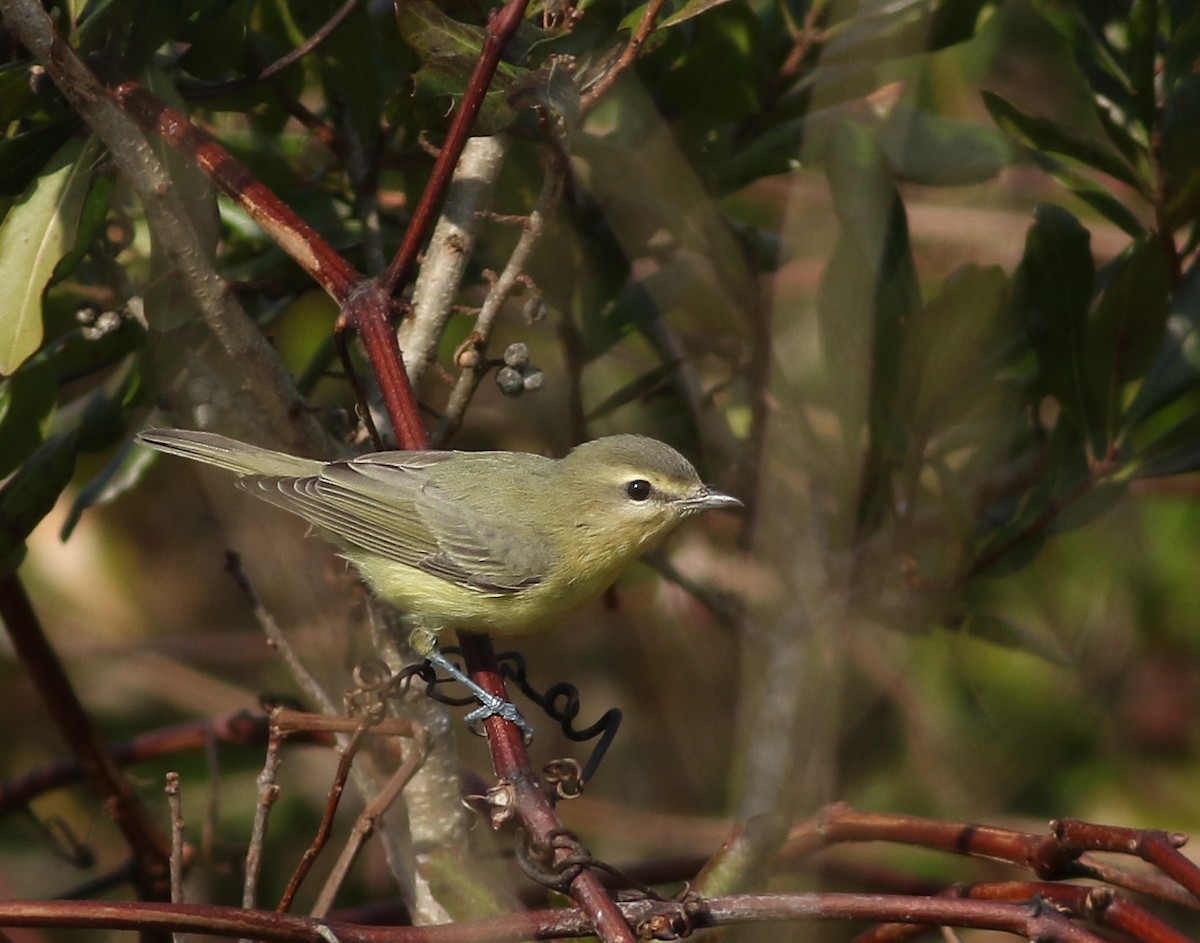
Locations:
{"points": [[151, 848], [449, 250], [655, 919], [500, 292], [500, 29]]}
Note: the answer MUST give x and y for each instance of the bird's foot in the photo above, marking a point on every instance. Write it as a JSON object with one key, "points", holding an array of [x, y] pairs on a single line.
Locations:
{"points": [[490, 705]]}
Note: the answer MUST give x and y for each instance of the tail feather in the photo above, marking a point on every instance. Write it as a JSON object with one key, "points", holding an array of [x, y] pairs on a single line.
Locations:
{"points": [[229, 454]]}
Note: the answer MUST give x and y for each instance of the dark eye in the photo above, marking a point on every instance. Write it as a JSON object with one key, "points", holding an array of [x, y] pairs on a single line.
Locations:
{"points": [[638, 489]]}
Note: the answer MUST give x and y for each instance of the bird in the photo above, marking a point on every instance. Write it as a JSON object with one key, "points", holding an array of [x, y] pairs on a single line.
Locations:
{"points": [[501, 542]]}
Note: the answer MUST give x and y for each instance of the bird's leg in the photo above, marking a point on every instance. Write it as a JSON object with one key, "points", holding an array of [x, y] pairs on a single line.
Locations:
{"points": [[491, 705]]}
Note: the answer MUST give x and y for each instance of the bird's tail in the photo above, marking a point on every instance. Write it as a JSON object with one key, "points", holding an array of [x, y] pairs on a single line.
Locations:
{"points": [[229, 454]]}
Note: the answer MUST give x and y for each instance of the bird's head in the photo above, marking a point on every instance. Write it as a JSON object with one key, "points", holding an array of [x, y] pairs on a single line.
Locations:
{"points": [[632, 490]]}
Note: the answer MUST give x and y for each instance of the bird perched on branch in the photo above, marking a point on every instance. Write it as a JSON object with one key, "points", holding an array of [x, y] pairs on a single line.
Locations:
{"points": [[500, 542]]}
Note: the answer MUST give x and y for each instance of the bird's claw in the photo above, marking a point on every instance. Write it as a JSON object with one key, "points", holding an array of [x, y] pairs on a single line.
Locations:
{"points": [[492, 706]]}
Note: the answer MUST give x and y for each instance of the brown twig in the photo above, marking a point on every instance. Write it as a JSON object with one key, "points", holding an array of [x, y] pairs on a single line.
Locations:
{"points": [[533, 809], [268, 793], [370, 816], [292, 234], [499, 30], [603, 84], [241, 729], [151, 849], [1054, 856], [669, 919], [291, 58], [336, 790]]}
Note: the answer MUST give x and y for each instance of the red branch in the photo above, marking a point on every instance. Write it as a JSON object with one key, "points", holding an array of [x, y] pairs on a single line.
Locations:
{"points": [[500, 29]]}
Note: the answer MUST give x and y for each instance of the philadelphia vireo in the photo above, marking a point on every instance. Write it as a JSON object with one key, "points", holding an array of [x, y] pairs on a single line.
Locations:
{"points": [[502, 542]]}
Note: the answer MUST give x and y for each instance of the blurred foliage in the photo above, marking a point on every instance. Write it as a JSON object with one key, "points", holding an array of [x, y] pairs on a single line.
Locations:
{"points": [[917, 279]]}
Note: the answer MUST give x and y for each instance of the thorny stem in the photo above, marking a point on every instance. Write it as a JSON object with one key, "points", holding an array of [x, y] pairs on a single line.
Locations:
{"points": [[151, 849]]}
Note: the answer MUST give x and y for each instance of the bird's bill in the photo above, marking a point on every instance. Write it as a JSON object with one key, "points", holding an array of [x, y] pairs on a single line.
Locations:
{"points": [[710, 500]]}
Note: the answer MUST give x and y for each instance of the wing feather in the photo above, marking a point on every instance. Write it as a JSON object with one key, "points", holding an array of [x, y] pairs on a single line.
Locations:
{"points": [[388, 505]]}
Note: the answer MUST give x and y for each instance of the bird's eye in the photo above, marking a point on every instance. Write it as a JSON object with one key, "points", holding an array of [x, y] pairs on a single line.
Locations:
{"points": [[638, 489]]}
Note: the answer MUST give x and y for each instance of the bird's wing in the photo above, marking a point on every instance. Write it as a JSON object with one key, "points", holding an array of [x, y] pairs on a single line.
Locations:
{"points": [[389, 505]]}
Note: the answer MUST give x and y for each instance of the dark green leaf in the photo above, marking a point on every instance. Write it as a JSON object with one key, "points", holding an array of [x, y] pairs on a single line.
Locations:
{"points": [[23, 155], [1055, 280], [1126, 329], [444, 79], [879, 32], [1055, 138], [1009, 634], [31, 493], [26, 402], [634, 390], [871, 287], [433, 35], [1095, 196], [120, 474], [688, 10], [932, 149], [92, 220]]}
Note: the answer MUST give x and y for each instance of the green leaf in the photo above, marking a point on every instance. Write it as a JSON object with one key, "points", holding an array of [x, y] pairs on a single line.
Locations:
{"points": [[39, 229], [690, 9], [932, 149], [30, 494], [1055, 279], [1050, 136], [434, 35], [869, 295], [23, 155], [953, 351], [26, 401], [1091, 193], [93, 217], [1126, 330], [637, 388], [878, 32]]}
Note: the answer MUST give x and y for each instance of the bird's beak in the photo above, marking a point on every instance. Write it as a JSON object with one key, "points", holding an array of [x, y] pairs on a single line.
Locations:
{"points": [[708, 499]]}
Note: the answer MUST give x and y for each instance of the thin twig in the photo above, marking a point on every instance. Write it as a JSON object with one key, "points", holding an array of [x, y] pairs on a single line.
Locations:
{"points": [[175, 805], [501, 290], [449, 251], [602, 85], [290, 58], [275, 637], [268, 793], [370, 816], [336, 790], [1024, 919], [241, 729]]}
